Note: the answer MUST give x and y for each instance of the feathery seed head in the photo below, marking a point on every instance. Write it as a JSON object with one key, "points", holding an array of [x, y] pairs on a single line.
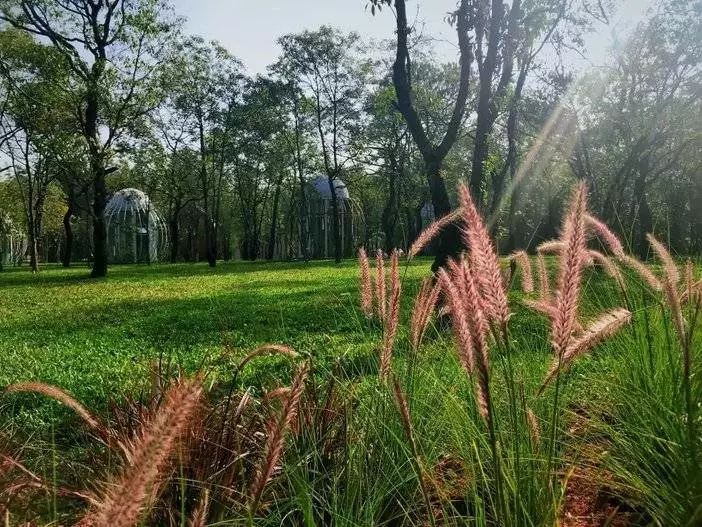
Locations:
{"points": [[365, 283]]}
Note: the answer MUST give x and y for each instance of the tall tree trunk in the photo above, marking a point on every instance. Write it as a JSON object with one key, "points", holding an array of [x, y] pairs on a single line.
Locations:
{"points": [[174, 233], [488, 99], [99, 224], [336, 231], [274, 220], [211, 251], [449, 240], [33, 248], [645, 215], [498, 184], [30, 211], [304, 219], [390, 214], [210, 247], [449, 244], [304, 213], [68, 241], [37, 219], [97, 168]]}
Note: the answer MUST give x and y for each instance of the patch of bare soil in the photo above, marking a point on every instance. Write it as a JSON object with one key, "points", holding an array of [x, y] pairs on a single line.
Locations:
{"points": [[588, 503], [589, 499]]}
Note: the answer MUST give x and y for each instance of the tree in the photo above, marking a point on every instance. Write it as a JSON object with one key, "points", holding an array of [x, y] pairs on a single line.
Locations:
{"points": [[299, 134], [389, 148], [433, 153], [261, 158], [113, 49], [638, 127], [324, 66], [35, 123], [204, 89]]}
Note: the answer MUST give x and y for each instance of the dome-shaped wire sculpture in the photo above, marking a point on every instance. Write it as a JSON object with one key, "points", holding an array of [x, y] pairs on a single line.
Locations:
{"points": [[13, 243], [136, 233]]}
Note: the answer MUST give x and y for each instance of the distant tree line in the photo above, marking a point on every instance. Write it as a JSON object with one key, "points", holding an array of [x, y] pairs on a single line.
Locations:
{"points": [[97, 96]]}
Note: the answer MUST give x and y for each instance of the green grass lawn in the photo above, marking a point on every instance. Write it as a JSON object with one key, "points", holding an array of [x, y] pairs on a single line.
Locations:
{"points": [[98, 340], [94, 338]]}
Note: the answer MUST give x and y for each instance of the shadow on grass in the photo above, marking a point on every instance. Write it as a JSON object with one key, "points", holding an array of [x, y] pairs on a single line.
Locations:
{"points": [[53, 274]]}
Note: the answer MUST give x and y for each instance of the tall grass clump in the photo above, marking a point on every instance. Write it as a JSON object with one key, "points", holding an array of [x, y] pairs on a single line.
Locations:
{"points": [[649, 421]]}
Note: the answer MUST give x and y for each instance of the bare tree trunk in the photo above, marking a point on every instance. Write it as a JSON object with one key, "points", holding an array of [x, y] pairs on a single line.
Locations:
{"points": [[97, 167], [488, 100], [390, 214], [174, 233], [210, 250], [274, 219], [33, 250], [304, 228], [449, 241], [99, 224], [449, 244], [498, 184], [336, 232], [68, 242]]}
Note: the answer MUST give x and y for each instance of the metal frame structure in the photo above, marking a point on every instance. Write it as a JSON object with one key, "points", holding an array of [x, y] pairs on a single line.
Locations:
{"points": [[136, 233]]}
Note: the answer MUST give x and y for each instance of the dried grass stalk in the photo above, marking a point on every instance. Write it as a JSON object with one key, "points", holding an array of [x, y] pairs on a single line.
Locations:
{"points": [[403, 406], [392, 317], [673, 300], [671, 278], [543, 307], [431, 232], [461, 330], [643, 271], [521, 259], [544, 285], [282, 392], [64, 398], [549, 309], [380, 287], [572, 261], [275, 437], [365, 283], [609, 267], [603, 232], [550, 247], [127, 494], [484, 260], [605, 326], [534, 428], [692, 291], [268, 349], [479, 330], [670, 268], [199, 515], [421, 313]]}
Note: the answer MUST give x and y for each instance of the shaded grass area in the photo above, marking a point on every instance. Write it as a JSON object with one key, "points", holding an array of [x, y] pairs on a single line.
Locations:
{"points": [[97, 338]]}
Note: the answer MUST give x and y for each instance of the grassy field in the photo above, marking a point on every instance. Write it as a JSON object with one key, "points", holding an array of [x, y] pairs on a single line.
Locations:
{"points": [[97, 338], [622, 426], [94, 338]]}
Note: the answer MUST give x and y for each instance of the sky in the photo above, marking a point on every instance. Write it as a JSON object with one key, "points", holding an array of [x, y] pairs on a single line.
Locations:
{"points": [[249, 28]]}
